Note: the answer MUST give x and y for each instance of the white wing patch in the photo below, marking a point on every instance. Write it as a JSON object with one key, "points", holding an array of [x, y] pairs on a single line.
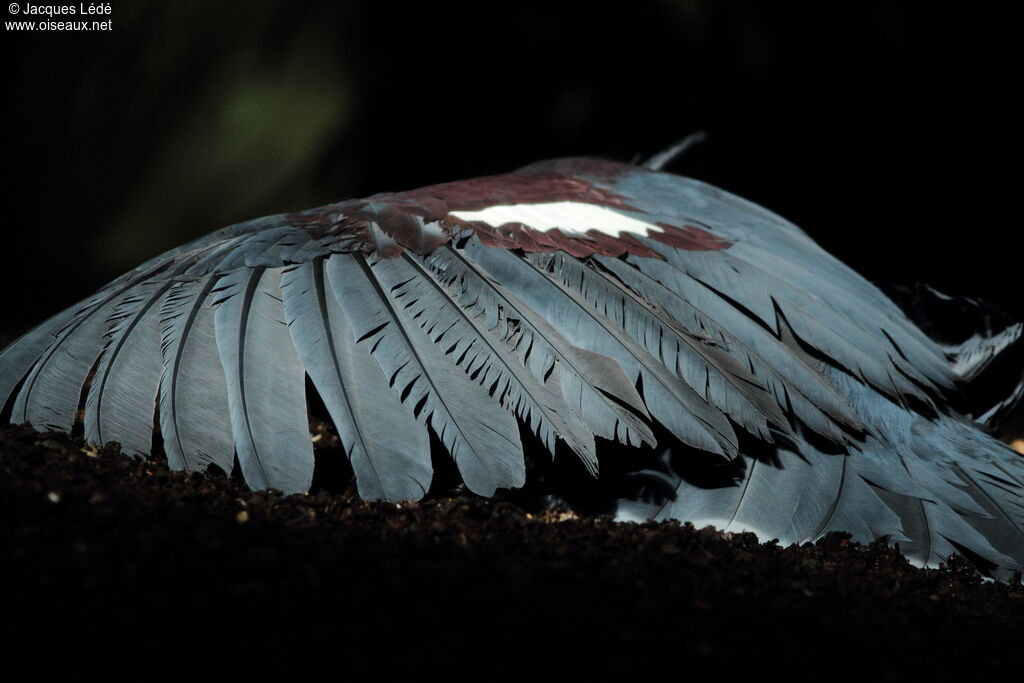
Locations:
{"points": [[568, 216]]}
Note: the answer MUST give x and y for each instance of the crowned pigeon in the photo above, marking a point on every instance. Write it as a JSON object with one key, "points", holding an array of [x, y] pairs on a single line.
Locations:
{"points": [[584, 308]]}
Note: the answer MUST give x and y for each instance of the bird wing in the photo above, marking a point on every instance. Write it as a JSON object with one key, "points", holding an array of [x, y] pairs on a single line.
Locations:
{"points": [[583, 304]]}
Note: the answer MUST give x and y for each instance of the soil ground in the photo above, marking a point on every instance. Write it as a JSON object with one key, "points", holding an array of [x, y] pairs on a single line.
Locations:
{"points": [[122, 568]]}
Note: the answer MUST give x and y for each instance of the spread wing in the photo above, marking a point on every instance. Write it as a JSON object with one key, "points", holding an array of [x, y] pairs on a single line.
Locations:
{"points": [[591, 307]]}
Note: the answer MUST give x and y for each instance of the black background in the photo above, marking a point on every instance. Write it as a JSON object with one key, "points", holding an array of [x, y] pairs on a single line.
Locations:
{"points": [[877, 127], [889, 131]]}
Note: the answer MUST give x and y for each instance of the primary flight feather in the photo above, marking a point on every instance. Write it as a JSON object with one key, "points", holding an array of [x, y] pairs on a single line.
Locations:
{"points": [[736, 373]]}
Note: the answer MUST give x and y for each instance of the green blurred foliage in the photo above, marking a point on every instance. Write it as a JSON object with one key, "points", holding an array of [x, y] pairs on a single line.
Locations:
{"points": [[254, 131], [186, 117]]}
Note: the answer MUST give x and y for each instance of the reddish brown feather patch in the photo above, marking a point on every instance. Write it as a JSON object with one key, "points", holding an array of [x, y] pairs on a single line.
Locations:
{"points": [[689, 237], [524, 187], [625, 243], [420, 220]]}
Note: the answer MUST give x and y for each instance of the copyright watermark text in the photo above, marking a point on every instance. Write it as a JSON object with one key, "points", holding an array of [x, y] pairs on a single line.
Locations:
{"points": [[83, 16]]}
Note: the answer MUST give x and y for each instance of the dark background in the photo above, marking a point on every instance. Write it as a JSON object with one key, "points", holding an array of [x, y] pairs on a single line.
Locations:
{"points": [[884, 129], [876, 127]]}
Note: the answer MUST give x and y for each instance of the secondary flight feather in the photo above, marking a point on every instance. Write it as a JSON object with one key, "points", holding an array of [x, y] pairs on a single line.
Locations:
{"points": [[680, 352]]}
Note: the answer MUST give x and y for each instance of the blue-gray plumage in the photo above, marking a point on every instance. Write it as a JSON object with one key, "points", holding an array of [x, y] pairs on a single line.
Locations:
{"points": [[593, 308]]}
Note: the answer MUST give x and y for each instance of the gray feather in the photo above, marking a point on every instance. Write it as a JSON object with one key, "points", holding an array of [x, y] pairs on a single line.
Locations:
{"points": [[929, 452], [388, 448], [668, 155], [799, 497], [482, 437], [792, 381], [971, 357], [704, 363], [18, 358], [265, 380], [122, 397], [993, 475], [49, 396], [763, 330], [587, 380], [668, 399], [886, 328], [484, 358], [677, 200], [195, 419], [812, 321]]}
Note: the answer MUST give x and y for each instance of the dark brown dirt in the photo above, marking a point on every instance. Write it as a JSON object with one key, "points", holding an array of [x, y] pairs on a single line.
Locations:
{"points": [[121, 568]]}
